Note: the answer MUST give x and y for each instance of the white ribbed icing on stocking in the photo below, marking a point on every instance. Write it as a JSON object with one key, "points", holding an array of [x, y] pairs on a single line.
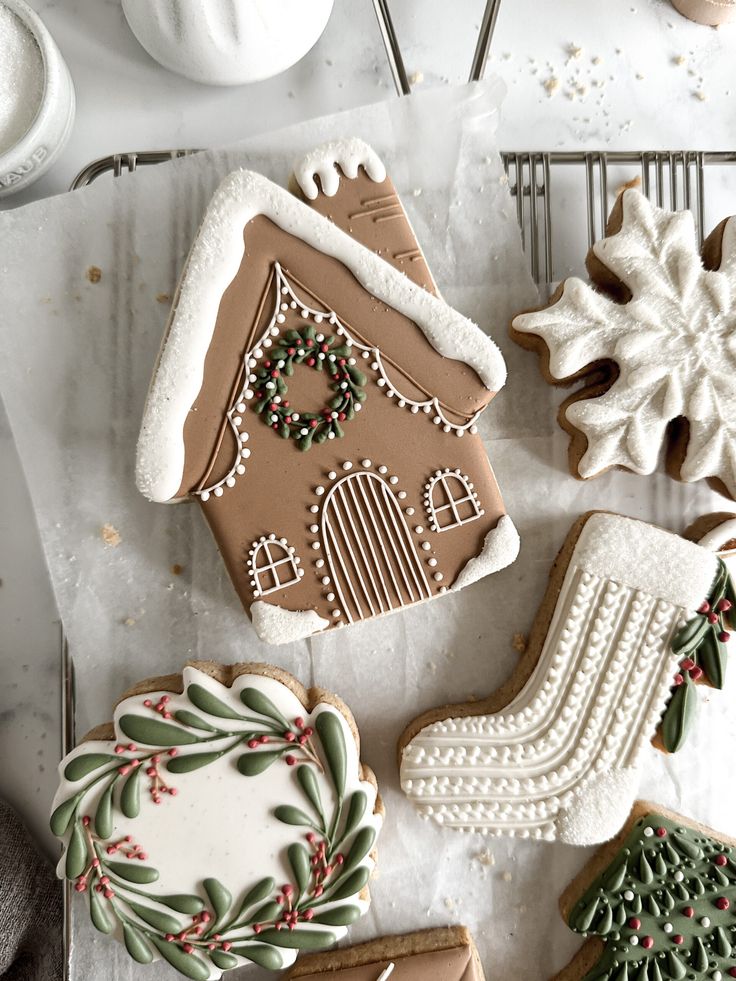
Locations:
{"points": [[573, 735]]}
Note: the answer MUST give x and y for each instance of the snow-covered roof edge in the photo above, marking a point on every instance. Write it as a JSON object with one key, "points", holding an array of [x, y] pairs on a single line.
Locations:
{"points": [[213, 264]]}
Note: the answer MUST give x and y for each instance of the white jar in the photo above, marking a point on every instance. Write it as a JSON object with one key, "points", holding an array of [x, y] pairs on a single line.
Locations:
{"points": [[227, 42], [36, 97]]}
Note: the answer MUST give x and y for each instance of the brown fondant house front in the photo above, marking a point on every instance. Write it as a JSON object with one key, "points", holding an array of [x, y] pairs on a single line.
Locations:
{"points": [[320, 400]]}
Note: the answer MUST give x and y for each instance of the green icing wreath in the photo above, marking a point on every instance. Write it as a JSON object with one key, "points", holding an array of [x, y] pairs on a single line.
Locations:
{"points": [[322, 353], [326, 862]]}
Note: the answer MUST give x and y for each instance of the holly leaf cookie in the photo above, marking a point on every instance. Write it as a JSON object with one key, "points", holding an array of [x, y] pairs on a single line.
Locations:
{"points": [[652, 339], [441, 954], [656, 903], [554, 753], [223, 818]]}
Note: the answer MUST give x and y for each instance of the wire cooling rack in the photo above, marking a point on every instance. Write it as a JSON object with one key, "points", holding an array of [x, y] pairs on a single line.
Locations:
{"points": [[562, 199]]}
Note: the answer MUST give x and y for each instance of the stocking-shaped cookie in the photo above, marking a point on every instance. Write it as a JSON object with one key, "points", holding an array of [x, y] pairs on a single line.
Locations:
{"points": [[321, 404], [554, 753], [656, 903]]}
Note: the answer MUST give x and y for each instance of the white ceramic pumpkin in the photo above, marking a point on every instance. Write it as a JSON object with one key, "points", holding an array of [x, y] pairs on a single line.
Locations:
{"points": [[227, 42]]}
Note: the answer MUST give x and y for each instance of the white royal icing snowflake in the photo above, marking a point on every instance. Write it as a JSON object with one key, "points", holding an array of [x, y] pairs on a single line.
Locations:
{"points": [[674, 344]]}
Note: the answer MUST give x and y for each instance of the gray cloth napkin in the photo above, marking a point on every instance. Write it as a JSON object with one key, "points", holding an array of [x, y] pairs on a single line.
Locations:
{"points": [[30, 907]]}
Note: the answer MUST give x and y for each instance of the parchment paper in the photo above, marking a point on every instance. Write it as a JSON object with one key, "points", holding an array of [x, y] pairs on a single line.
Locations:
{"points": [[75, 361]]}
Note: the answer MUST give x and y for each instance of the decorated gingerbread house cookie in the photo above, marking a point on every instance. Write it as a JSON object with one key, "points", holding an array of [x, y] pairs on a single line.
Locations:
{"points": [[320, 401]]}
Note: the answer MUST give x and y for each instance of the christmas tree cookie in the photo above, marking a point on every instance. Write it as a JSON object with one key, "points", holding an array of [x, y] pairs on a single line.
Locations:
{"points": [[555, 752], [653, 341], [320, 401], [223, 818], [656, 904]]}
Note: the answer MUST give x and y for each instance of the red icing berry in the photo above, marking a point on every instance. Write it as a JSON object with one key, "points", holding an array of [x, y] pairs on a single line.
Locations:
{"points": [[341, 416], [170, 937], [257, 928], [704, 607], [722, 903], [252, 743], [678, 680], [288, 890], [308, 914], [635, 923], [689, 912], [647, 942], [687, 663], [188, 949], [732, 972], [712, 617], [86, 820], [205, 917], [299, 722], [290, 760], [173, 752], [313, 423], [661, 832], [723, 606], [289, 737], [724, 636], [291, 351], [677, 938], [721, 860], [226, 945]]}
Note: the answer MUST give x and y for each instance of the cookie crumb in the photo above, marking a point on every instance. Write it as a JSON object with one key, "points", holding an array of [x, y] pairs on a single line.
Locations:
{"points": [[449, 903], [110, 535], [507, 877], [574, 52], [700, 95], [163, 298], [417, 192], [129, 622], [551, 85], [176, 569], [94, 274], [485, 857], [518, 642], [416, 78], [678, 60], [596, 60]]}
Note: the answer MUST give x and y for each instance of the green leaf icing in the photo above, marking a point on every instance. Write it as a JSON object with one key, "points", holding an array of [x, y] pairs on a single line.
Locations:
{"points": [[673, 938], [678, 716], [133, 872], [261, 955], [218, 896], [298, 939], [103, 814], [152, 732], [62, 816], [183, 903], [256, 701], [192, 761], [338, 916], [82, 766], [330, 733], [300, 865], [130, 796], [156, 918], [190, 965], [101, 920], [76, 853], [205, 701], [251, 764], [288, 814], [136, 945]]}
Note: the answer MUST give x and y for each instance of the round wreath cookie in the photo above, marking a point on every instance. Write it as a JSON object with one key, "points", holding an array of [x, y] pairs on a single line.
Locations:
{"points": [[222, 818]]}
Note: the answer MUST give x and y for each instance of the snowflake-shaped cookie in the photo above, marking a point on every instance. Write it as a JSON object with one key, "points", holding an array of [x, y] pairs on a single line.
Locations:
{"points": [[654, 338]]}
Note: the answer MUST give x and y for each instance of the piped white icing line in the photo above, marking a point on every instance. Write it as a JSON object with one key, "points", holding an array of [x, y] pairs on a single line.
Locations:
{"points": [[674, 343], [591, 705], [349, 155], [275, 625], [221, 823], [500, 548], [213, 264]]}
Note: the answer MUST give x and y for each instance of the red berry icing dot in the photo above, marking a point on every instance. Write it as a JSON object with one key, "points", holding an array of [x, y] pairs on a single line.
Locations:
{"points": [[635, 923], [721, 860], [647, 942], [689, 912], [722, 903]]}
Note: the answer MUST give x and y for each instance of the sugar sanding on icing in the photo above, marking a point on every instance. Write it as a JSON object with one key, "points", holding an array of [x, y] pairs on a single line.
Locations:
{"points": [[275, 625], [500, 549], [220, 826], [546, 764], [214, 262], [674, 343], [348, 155]]}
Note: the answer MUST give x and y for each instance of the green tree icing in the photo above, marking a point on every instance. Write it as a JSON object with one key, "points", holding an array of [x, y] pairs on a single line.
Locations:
{"points": [[665, 907]]}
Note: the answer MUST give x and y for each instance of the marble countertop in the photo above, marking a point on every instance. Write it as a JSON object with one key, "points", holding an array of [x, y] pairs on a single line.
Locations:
{"points": [[580, 73]]}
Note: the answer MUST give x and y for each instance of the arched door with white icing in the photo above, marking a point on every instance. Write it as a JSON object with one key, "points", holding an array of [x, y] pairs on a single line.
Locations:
{"points": [[369, 548]]}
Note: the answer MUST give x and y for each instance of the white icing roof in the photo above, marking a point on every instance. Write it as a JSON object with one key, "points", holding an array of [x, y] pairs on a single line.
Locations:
{"points": [[213, 263]]}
